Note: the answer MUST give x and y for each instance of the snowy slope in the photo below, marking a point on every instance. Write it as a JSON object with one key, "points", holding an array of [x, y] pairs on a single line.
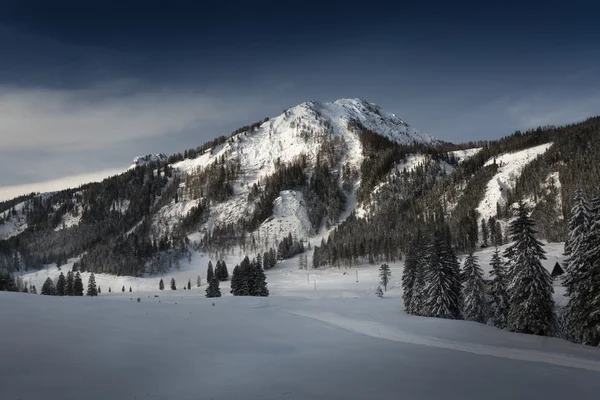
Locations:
{"points": [[13, 224], [462, 155], [510, 167], [300, 130]]}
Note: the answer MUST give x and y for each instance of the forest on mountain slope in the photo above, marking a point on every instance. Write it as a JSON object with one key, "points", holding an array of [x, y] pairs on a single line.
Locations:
{"points": [[115, 230]]}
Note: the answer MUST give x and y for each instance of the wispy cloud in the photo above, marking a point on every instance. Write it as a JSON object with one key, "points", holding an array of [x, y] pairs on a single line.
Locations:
{"points": [[68, 120], [9, 192]]}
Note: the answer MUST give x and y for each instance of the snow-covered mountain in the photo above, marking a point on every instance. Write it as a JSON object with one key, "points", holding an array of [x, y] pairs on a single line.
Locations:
{"points": [[345, 166]]}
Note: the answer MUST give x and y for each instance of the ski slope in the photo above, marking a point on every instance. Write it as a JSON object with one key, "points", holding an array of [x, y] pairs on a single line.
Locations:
{"points": [[510, 167]]}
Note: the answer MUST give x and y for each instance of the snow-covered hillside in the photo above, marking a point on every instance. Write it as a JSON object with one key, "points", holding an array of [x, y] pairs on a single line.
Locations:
{"points": [[510, 167], [462, 155], [300, 130]]}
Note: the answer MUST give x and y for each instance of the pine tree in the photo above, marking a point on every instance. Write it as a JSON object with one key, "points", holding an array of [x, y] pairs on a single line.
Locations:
{"points": [[161, 285], [70, 281], [198, 281], [61, 285], [109, 289], [473, 291], [259, 281], [498, 292], [91, 289], [129, 289], [409, 274], [189, 285], [379, 292], [123, 289], [223, 273], [213, 289], [531, 308], [48, 288], [484, 233], [443, 297], [577, 266], [384, 275], [235, 281], [33, 290], [173, 284], [209, 272], [77, 285], [583, 282], [99, 289]]}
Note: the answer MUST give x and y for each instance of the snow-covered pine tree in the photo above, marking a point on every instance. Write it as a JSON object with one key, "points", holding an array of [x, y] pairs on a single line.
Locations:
{"points": [[578, 266], [584, 305], [209, 272], [61, 285], [213, 288], [443, 297], [161, 285], [224, 273], [173, 284], [235, 281], [384, 275], [77, 285], [91, 289], [498, 292], [473, 290], [70, 281], [531, 307], [379, 292], [48, 288], [259, 281], [412, 264]]}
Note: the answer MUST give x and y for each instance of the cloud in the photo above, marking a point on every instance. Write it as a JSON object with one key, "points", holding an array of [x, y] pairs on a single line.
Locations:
{"points": [[9, 192], [95, 118]]}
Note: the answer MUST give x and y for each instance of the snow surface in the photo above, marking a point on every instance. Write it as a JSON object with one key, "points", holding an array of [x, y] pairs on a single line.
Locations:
{"points": [[321, 334], [510, 167], [462, 155], [13, 224]]}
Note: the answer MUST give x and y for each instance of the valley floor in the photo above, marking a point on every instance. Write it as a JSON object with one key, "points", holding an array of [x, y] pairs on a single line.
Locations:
{"points": [[336, 341]]}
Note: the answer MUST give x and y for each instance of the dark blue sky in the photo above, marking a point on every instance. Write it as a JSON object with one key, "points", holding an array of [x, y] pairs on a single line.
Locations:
{"points": [[86, 86]]}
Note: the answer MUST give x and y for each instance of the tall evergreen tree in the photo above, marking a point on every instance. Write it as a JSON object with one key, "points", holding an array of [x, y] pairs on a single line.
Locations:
{"points": [[531, 308], [235, 281], [213, 289], [473, 291], [198, 281], [189, 285], [91, 288], [48, 288], [498, 292], [70, 281], [583, 282], [161, 285], [259, 281], [61, 285], [173, 284], [209, 272], [484, 233], [384, 275], [99, 289], [123, 289], [412, 264], [129, 289], [77, 285], [443, 297]]}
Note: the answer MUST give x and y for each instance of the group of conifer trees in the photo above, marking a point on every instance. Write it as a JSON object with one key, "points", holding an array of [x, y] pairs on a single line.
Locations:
{"points": [[71, 285], [518, 298], [249, 279]]}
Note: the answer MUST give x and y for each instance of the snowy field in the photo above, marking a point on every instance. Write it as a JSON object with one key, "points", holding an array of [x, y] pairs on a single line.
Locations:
{"points": [[320, 335]]}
